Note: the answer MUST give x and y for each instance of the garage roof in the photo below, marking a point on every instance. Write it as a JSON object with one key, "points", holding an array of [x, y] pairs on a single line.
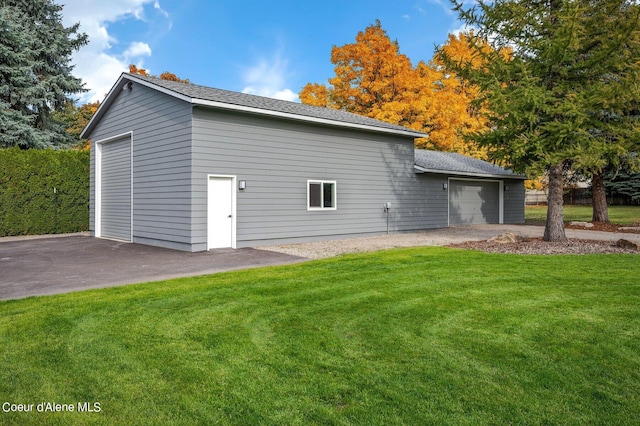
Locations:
{"points": [[225, 99], [451, 163]]}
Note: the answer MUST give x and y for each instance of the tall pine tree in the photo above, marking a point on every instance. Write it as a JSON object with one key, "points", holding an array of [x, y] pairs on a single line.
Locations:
{"points": [[562, 98], [35, 72]]}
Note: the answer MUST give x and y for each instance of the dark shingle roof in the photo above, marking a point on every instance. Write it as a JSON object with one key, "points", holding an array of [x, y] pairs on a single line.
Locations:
{"points": [[270, 105], [448, 162]]}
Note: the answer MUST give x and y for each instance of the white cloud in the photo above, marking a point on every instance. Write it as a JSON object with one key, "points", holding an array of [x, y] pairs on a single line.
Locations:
{"points": [[444, 4], [157, 7], [462, 28], [100, 62], [137, 49], [268, 78]]}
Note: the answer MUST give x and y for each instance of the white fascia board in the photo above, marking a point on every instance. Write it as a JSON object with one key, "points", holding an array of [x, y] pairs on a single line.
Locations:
{"points": [[456, 173], [306, 118], [160, 89], [103, 105], [108, 100]]}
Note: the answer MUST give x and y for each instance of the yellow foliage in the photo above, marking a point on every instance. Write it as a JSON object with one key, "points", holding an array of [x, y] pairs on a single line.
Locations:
{"points": [[81, 117], [172, 77], [164, 76], [374, 79], [135, 70], [314, 94], [539, 184]]}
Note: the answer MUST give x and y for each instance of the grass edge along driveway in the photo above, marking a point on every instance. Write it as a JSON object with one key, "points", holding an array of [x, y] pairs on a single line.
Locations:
{"points": [[406, 336]]}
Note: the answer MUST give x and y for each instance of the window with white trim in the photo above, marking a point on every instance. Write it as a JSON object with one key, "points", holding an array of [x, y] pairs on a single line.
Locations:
{"points": [[321, 195]]}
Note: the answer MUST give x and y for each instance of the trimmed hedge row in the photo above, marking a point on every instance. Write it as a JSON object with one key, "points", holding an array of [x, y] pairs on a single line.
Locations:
{"points": [[43, 191]]}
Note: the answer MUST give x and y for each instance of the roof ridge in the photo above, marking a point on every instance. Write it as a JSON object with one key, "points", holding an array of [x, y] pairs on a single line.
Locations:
{"points": [[214, 94]]}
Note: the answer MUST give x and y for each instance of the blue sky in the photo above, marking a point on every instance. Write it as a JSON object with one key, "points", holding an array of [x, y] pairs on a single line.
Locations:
{"points": [[270, 48]]}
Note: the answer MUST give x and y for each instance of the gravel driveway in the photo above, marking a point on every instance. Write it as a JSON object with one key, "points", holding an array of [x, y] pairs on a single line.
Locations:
{"points": [[435, 237]]}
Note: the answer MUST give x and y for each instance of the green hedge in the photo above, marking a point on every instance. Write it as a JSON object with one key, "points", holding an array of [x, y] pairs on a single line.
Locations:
{"points": [[43, 191]]}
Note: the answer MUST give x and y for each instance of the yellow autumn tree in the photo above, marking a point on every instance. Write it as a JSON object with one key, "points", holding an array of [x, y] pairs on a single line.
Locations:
{"points": [[75, 119], [374, 79], [452, 108], [164, 76], [140, 71]]}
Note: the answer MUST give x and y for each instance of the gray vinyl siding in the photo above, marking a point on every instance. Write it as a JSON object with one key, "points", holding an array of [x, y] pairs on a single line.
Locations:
{"points": [[276, 157], [514, 201], [161, 127], [116, 189]]}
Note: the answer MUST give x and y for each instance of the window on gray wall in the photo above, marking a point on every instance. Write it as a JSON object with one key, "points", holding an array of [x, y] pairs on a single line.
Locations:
{"points": [[321, 195]]}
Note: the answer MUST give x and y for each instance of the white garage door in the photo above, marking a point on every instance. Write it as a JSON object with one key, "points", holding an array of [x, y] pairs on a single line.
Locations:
{"points": [[116, 190], [473, 202]]}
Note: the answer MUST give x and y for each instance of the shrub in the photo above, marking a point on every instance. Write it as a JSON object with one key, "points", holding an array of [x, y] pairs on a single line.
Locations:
{"points": [[43, 191]]}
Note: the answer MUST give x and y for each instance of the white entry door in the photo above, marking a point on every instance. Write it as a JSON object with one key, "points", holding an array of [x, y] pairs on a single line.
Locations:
{"points": [[220, 212]]}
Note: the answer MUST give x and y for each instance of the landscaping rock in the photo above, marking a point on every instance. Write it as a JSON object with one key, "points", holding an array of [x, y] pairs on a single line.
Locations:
{"points": [[505, 238], [539, 247], [583, 224], [629, 228], [622, 243]]}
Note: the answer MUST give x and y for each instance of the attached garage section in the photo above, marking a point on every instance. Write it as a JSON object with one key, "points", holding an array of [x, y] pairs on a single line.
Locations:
{"points": [[473, 202], [114, 180]]}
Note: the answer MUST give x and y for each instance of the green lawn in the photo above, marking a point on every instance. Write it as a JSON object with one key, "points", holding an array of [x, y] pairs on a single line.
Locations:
{"points": [[408, 336], [623, 215]]}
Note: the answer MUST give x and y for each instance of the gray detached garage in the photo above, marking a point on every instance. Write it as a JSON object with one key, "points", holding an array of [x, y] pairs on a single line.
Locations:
{"points": [[194, 168]]}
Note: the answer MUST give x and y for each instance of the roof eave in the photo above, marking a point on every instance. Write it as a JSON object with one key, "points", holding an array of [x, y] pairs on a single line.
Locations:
{"points": [[232, 107], [108, 100], [419, 169]]}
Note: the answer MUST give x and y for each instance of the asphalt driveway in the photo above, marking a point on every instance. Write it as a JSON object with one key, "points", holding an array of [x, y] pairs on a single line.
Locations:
{"points": [[41, 266], [32, 267]]}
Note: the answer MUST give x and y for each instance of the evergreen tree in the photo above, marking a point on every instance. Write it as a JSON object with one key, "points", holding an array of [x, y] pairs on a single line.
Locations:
{"points": [[623, 182], [35, 72], [562, 97]]}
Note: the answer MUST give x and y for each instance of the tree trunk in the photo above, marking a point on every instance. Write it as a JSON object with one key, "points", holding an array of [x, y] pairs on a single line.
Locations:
{"points": [[600, 211], [554, 229]]}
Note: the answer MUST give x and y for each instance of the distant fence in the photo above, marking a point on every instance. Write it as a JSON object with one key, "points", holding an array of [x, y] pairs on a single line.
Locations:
{"points": [[43, 191], [576, 196], [535, 197]]}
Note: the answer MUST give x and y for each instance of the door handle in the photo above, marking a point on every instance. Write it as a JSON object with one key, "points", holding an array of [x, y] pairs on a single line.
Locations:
{"points": [[230, 216]]}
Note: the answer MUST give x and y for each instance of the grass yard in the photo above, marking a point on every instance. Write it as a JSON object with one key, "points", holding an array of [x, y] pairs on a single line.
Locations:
{"points": [[622, 215], [407, 336]]}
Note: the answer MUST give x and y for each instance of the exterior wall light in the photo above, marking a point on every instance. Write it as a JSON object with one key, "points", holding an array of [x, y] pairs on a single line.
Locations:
{"points": [[506, 187], [242, 185], [445, 186]]}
